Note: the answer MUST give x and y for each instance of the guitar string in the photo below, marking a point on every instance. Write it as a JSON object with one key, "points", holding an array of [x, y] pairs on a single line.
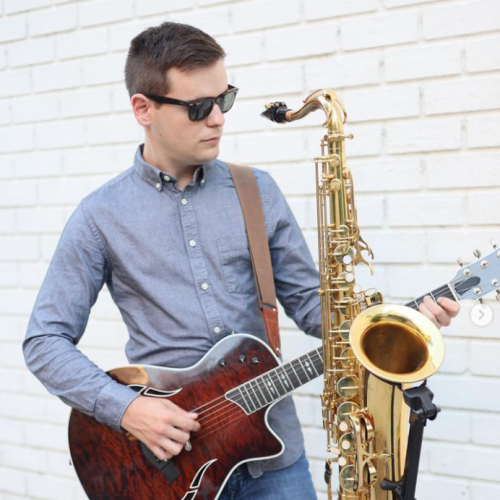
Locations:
{"points": [[439, 292]]}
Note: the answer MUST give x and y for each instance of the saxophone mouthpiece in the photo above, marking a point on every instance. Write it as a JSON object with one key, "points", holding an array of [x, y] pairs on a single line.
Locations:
{"points": [[276, 112]]}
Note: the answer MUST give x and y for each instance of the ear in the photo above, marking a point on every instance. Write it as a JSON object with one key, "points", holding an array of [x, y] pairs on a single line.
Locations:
{"points": [[143, 109]]}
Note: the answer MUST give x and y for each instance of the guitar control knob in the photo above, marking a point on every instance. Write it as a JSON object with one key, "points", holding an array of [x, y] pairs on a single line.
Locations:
{"points": [[255, 361], [222, 362], [242, 358]]}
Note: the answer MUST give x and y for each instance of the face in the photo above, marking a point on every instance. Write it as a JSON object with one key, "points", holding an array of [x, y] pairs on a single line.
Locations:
{"points": [[172, 136]]}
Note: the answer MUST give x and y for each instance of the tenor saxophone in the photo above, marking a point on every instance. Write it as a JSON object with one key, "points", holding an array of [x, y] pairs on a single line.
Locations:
{"points": [[372, 351]]}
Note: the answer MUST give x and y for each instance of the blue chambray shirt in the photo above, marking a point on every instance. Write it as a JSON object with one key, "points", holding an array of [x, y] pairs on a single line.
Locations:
{"points": [[178, 267]]}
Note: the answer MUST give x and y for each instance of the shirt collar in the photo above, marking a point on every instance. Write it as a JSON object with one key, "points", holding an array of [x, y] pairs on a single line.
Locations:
{"points": [[157, 177]]}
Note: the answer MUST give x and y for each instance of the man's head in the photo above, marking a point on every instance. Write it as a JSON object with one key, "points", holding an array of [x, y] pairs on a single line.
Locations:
{"points": [[183, 63]]}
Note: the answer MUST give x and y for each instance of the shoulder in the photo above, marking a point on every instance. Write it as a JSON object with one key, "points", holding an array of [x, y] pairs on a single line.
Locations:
{"points": [[265, 182]]}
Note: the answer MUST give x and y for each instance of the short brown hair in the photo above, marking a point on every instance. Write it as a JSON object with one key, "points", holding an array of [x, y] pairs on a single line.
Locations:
{"points": [[171, 45]]}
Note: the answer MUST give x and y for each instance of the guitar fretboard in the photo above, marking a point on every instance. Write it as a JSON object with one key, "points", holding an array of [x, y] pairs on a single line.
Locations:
{"points": [[274, 384], [442, 291]]}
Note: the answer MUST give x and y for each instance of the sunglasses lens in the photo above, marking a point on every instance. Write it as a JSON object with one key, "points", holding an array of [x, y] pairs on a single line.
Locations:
{"points": [[226, 101], [201, 110]]}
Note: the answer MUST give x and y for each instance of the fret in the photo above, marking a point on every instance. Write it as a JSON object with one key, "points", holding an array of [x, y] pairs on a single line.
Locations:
{"points": [[253, 399], [312, 363], [299, 370], [294, 377], [237, 396], [304, 360], [256, 389], [318, 363], [286, 380], [262, 384], [278, 378], [433, 298], [270, 386]]}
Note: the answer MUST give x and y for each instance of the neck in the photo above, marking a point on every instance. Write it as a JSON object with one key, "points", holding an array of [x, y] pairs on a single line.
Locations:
{"points": [[182, 173]]}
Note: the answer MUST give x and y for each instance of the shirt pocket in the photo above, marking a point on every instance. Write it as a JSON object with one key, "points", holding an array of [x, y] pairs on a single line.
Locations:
{"points": [[236, 265]]}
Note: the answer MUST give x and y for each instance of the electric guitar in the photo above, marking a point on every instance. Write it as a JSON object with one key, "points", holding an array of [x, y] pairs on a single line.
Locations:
{"points": [[232, 389]]}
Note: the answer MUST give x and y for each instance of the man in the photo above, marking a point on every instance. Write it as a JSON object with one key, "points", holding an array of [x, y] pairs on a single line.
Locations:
{"points": [[167, 237]]}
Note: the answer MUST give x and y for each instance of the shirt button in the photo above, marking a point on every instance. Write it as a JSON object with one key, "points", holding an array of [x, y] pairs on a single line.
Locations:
{"points": [[158, 186], [202, 181], [166, 177], [192, 243], [216, 329], [184, 201], [204, 286]]}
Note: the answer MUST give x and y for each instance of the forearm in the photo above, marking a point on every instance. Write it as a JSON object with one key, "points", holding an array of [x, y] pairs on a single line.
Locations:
{"points": [[68, 374]]}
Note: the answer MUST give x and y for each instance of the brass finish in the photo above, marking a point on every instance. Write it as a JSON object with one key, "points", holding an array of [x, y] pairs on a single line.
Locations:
{"points": [[371, 350]]}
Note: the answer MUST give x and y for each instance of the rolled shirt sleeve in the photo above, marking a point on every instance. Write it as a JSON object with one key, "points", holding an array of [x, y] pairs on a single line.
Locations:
{"points": [[77, 273]]}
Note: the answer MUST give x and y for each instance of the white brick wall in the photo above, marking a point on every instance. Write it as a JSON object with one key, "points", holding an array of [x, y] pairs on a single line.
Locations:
{"points": [[420, 80]]}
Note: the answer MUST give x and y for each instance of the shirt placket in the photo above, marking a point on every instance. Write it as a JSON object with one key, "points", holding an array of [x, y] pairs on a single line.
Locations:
{"points": [[194, 250]]}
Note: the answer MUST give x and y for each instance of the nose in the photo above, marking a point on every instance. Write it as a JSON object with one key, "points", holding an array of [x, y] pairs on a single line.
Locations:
{"points": [[216, 117]]}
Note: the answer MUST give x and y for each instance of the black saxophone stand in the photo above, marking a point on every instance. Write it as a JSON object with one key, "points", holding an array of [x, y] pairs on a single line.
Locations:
{"points": [[419, 399]]}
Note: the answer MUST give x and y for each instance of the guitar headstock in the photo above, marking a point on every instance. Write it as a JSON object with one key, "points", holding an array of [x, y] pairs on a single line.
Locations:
{"points": [[479, 278]]}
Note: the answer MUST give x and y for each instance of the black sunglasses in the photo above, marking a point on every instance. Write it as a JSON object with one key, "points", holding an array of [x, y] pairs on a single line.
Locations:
{"points": [[201, 108]]}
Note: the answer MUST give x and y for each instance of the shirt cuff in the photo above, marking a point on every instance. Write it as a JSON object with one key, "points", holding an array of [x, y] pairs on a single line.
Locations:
{"points": [[112, 402]]}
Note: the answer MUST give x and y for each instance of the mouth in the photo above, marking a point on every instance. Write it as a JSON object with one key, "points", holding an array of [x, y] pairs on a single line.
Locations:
{"points": [[213, 139]]}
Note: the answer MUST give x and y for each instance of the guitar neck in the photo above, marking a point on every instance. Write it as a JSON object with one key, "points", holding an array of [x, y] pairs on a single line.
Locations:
{"points": [[281, 381], [442, 291]]}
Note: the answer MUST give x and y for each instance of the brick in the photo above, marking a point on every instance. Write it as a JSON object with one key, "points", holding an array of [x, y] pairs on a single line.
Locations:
{"points": [[446, 245], [425, 135], [343, 71], [85, 102], [83, 43], [315, 442], [483, 491], [243, 49], [442, 488], [466, 393], [461, 19], [457, 356], [483, 55], [120, 100], [31, 52], [32, 275], [486, 428], [96, 160], [40, 220], [483, 131], [103, 69], [57, 76], [455, 171], [120, 37], [7, 221], [11, 431], [278, 79], [11, 355], [425, 210], [308, 410], [265, 14], [483, 208], [153, 7], [61, 134], [16, 138], [370, 210], [302, 41], [3, 57], [404, 283], [395, 246], [47, 436], [38, 164], [44, 22], [422, 62], [52, 487], [5, 114], [318, 9], [105, 12], [113, 129], [462, 96], [18, 248], [387, 175], [465, 462], [401, 3], [304, 211], [483, 360], [214, 21], [105, 335], [13, 6], [454, 426], [7, 170], [35, 109], [66, 191], [48, 246], [213, 2], [294, 180], [16, 82], [379, 31], [245, 117], [105, 308], [260, 148], [13, 481], [8, 279], [380, 104], [12, 28], [367, 141]]}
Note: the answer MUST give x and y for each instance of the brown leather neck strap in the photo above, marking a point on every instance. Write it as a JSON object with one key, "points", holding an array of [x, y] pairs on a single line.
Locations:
{"points": [[251, 206]]}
